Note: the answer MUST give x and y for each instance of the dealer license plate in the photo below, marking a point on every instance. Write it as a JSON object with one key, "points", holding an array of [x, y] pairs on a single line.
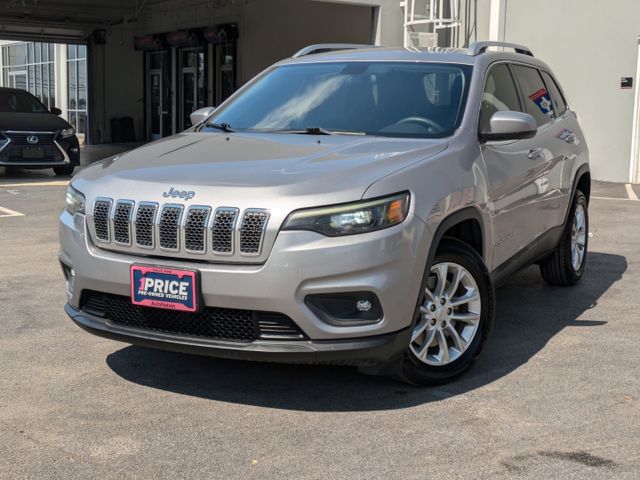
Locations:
{"points": [[162, 287]]}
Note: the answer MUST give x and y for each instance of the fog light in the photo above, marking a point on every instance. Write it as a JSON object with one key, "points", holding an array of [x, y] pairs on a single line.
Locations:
{"points": [[345, 308], [74, 149], [363, 305]]}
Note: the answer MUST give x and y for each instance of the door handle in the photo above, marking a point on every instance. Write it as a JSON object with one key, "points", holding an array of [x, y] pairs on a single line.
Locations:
{"points": [[535, 153]]}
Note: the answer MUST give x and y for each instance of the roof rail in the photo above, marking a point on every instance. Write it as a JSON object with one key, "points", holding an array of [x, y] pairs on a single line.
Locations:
{"points": [[329, 47], [481, 47]]}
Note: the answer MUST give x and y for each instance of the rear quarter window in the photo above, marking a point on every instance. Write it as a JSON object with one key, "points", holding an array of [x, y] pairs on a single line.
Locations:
{"points": [[559, 104]]}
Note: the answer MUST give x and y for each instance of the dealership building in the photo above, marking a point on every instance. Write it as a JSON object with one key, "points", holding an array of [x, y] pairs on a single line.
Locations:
{"points": [[133, 70]]}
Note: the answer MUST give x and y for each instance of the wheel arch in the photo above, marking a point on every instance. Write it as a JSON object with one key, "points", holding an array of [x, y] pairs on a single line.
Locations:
{"points": [[472, 231]]}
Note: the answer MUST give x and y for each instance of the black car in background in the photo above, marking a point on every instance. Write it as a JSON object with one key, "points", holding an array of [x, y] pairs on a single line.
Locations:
{"points": [[31, 136]]}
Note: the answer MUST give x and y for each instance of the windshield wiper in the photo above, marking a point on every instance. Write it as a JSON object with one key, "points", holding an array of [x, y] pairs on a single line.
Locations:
{"points": [[225, 127], [317, 131]]}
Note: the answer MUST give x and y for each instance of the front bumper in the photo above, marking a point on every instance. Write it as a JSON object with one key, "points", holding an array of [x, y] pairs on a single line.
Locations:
{"points": [[388, 263], [363, 352]]}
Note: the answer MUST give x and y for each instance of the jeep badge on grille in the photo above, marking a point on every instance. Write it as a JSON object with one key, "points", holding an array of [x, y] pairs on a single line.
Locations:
{"points": [[184, 194]]}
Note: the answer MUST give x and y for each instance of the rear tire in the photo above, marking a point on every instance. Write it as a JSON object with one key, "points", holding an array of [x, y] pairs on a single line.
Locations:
{"points": [[453, 319], [63, 171], [565, 266]]}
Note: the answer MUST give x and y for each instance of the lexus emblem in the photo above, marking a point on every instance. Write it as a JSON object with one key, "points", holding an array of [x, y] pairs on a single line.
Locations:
{"points": [[32, 139]]}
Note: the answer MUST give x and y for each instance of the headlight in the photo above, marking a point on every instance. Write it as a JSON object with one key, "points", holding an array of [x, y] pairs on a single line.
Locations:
{"points": [[67, 132], [351, 218], [75, 201]]}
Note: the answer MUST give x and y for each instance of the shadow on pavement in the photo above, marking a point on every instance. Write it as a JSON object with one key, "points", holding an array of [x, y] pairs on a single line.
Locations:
{"points": [[529, 314]]}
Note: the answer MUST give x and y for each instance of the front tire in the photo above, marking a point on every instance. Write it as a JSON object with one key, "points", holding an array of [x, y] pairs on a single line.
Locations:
{"points": [[565, 266], [454, 316]]}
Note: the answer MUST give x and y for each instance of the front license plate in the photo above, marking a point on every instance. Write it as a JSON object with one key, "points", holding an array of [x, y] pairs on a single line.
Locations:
{"points": [[162, 287], [32, 152]]}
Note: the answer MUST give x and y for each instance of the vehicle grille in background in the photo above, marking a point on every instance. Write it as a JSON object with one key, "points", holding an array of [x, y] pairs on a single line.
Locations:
{"points": [[122, 222], [192, 230], [168, 228], [224, 224], [15, 150], [195, 229], [101, 211], [251, 231], [20, 138], [210, 322], [144, 224]]}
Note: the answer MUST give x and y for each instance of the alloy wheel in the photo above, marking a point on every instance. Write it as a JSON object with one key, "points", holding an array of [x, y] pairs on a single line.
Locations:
{"points": [[449, 315], [578, 237]]}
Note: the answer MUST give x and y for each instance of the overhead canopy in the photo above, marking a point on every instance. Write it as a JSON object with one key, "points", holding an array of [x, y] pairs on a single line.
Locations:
{"points": [[65, 21]]}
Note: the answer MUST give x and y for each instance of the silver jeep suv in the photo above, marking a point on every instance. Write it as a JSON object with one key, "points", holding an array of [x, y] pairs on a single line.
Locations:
{"points": [[349, 205]]}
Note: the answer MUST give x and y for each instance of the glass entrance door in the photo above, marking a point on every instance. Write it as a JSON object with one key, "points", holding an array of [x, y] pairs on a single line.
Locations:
{"points": [[156, 113], [158, 98], [193, 83]]}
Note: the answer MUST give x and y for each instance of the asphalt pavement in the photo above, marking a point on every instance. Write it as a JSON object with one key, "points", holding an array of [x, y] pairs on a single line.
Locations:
{"points": [[555, 395]]}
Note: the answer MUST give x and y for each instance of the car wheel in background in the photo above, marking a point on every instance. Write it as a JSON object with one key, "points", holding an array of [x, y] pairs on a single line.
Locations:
{"points": [[565, 266], [65, 170]]}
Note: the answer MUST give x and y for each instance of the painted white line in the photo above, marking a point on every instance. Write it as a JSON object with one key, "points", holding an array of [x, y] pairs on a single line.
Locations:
{"points": [[611, 198], [9, 213], [55, 183], [631, 193]]}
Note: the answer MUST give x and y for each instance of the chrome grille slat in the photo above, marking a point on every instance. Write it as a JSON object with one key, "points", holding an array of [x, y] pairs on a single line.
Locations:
{"points": [[168, 227], [122, 222], [144, 224], [101, 213], [222, 230], [252, 231], [195, 229]]}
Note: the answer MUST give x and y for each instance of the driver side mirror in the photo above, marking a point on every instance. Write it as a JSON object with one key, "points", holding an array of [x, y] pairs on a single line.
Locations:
{"points": [[201, 115], [509, 125], [56, 111]]}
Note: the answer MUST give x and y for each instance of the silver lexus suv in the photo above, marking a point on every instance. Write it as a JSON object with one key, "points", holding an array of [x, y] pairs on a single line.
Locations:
{"points": [[349, 205]]}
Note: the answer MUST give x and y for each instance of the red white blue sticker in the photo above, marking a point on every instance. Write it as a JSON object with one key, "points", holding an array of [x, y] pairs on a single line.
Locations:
{"points": [[542, 99], [161, 287]]}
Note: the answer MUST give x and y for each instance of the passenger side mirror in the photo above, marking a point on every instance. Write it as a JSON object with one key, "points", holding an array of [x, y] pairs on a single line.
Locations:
{"points": [[509, 125], [56, 111], [201, 115]]}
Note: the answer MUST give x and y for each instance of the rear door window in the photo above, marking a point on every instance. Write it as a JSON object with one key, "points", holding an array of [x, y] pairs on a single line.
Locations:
{"points": [[536, 98], [560, 106], [500, 94]]}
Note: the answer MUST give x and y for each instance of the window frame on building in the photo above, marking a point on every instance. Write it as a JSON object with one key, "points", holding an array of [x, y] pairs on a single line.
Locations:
{"points": [[37, 64]]}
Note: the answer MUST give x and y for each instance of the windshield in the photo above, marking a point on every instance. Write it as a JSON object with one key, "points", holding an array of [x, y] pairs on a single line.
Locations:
{"points": [[422, 100], [17, 101]]}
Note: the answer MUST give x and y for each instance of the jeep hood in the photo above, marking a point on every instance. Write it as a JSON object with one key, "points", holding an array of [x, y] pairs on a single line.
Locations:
{"points": [[322, 169]]}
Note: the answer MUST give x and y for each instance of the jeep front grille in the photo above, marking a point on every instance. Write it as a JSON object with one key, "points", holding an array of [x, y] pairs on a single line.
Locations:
{"points": [[145, 223], [168, 227], [222, 230], [196, 231], [252, 230], [101, 212], [122, 222]]}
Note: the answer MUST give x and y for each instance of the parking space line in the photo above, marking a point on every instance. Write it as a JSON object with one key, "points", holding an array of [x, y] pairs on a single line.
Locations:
{"points": [[55, 183], [631, 193], [613, 198], [7, 212]]}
